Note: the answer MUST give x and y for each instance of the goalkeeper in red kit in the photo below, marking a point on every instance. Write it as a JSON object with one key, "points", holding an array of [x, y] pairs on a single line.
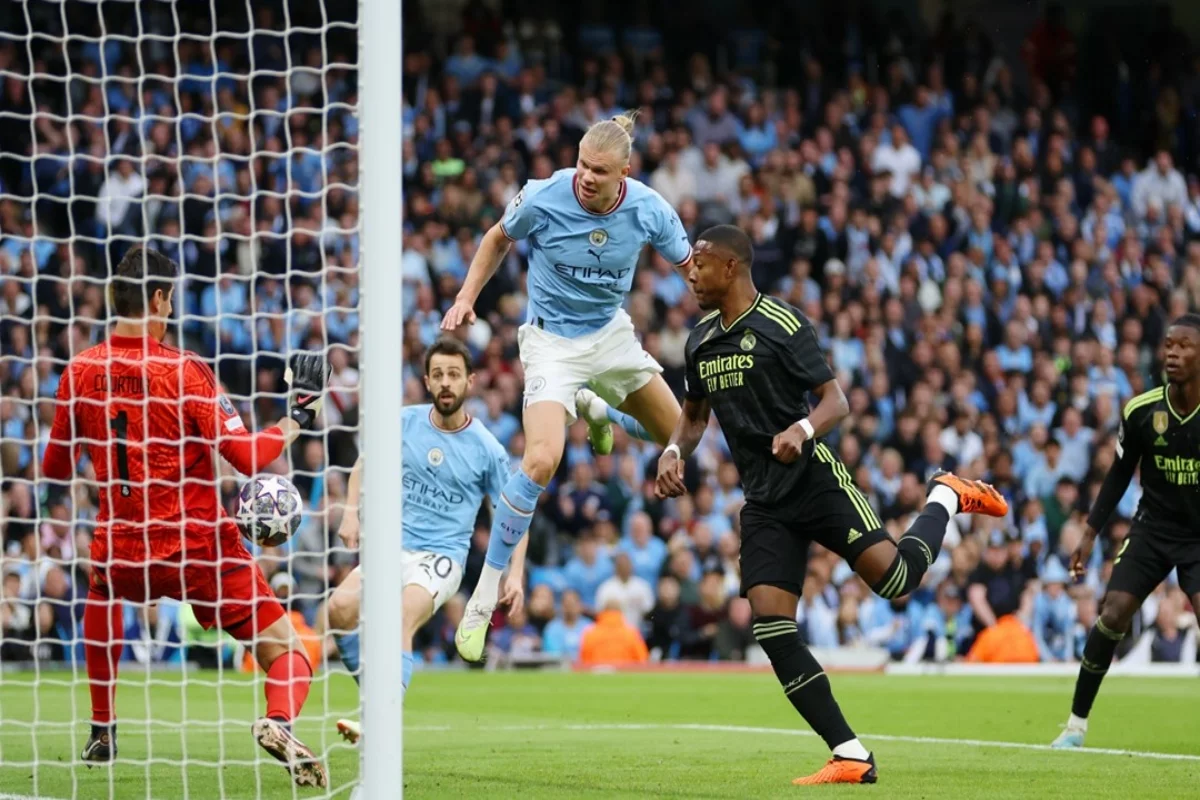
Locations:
{"points": [[150, 417]]}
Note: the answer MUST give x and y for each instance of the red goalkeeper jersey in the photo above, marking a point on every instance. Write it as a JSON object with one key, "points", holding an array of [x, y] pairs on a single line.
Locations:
{"points": [[151, 417]]}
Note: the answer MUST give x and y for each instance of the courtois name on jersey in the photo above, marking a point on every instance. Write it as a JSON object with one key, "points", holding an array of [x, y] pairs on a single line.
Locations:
{"points": [[581, 263], [446, 476]]}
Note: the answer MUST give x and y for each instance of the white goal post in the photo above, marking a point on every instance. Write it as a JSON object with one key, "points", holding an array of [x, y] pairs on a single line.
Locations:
{"points": [[383, 391], [258, 144]]}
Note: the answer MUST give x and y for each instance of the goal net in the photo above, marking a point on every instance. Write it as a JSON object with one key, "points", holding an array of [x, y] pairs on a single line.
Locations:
{"points": [[224, 134]]}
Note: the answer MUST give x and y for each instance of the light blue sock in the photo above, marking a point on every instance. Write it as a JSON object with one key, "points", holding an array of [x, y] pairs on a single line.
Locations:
{"points": [[629, 425], [347, 645], [511, 518], [406, 670]]}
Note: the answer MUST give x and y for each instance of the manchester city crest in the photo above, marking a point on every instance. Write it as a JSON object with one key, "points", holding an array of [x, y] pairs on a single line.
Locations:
{"points": [[1160, 422], [748, 341], [598, 237], [436, 457]]}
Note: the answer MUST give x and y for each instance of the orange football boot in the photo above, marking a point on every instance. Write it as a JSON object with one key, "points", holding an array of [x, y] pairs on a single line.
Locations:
{"points": [[842, 770], [974, 497]]}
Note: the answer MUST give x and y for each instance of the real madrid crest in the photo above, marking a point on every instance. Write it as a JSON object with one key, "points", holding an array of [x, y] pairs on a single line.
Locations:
{"points": [[1160, 422], [436, 457], [749, 340], [598, 237]]}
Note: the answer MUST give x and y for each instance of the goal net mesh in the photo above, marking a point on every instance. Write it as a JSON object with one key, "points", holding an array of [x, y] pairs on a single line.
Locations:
{"points": [[223, 134]]}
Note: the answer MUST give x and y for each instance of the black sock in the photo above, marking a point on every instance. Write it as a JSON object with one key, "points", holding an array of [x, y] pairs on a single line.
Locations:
{"points": [[100, 730], [804, 682], [916, 551], [1097, 658]]}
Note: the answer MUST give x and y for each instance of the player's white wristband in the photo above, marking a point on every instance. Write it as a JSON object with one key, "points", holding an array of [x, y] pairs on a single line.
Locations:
{"points": [[673, 448], [807, 427]]}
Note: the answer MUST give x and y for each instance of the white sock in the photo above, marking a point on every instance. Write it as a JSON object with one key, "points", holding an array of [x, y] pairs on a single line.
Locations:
{"points": [[1077, 723], [487, 591], [852, 749], [945, 497]]}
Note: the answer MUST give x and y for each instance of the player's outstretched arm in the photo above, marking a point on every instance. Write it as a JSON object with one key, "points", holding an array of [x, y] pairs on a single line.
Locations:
{"points": [[348, 530], [693, 420], [488, 257], [832, 407], [1116, 482], [512, 594], [216, 420]]}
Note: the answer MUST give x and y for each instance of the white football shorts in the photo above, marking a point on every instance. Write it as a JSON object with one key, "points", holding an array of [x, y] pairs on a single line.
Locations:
{"points": [[435, 573], [610, 361]]}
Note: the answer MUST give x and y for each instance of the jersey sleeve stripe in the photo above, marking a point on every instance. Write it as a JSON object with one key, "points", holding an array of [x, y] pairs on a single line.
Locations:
{"points": [[686, 259], [1143, 399], [505, 232], [779, 319], [781, 308]]}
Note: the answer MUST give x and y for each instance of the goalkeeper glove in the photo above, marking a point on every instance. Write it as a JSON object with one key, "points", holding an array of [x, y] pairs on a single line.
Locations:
{"points": [[306, 377]]}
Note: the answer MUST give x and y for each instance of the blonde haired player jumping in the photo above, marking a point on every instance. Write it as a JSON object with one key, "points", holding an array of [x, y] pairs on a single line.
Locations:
{"points": [[586, 229]]}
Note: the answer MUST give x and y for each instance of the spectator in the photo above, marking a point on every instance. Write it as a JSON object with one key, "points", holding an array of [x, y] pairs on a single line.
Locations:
{"points": [[668, 621], [563, 635], [517, 639], [1167, 645], [996, 586], [1158, 187], [946, 627], [588, 569], [626, 591], [899, 160], [1054, 615], [612, 641], [704, 619]]}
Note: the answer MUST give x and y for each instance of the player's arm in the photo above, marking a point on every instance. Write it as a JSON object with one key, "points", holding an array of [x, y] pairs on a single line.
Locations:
{"points": [[671, 240], [519, 220], [348, 530], [832, 407], [806, 366], [1116, 482], [512, 593], [215, 418], [58, 462], [689, 430], [492, 250], [693, 421]]}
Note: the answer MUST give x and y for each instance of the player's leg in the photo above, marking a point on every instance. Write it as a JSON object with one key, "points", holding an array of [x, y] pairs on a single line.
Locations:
{"points": [[773, 564], [1137, 570], [342, 611], [103, 627], [652, 402], [429, 581], [242, 604], [626, 377], [545, 436], [894, 569]]}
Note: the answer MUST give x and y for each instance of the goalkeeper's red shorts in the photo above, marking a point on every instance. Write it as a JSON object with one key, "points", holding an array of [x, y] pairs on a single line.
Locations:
{"points": [[231, 592]]}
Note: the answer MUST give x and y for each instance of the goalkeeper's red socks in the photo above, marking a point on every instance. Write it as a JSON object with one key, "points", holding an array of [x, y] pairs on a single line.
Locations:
{"points": [[288, 681], [103, 627]]}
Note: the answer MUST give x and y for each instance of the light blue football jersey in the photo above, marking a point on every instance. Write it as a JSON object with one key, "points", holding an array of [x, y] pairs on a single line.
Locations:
{"points": [[581, 263], [446, 476]]}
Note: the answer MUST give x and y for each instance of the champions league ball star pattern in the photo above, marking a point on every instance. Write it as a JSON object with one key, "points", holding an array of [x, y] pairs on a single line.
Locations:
{"points": [[269, 510]]}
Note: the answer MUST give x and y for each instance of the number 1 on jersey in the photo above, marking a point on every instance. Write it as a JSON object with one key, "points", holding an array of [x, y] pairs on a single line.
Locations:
{"points": [[120, 427]]}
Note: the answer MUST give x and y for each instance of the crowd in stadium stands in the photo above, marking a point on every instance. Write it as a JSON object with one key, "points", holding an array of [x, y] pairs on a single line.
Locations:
{"points": [[989, 251]]}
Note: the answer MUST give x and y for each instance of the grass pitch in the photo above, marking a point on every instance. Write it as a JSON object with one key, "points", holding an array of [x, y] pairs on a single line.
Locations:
{"points": [[557, 735]]}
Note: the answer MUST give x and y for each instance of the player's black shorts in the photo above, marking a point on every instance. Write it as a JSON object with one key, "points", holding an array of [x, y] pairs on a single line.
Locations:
{"points": [[826, 508], [1148, 555]]}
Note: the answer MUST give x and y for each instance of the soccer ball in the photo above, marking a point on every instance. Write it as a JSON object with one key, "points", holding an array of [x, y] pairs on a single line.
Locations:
{"points": [[269, 510]]}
